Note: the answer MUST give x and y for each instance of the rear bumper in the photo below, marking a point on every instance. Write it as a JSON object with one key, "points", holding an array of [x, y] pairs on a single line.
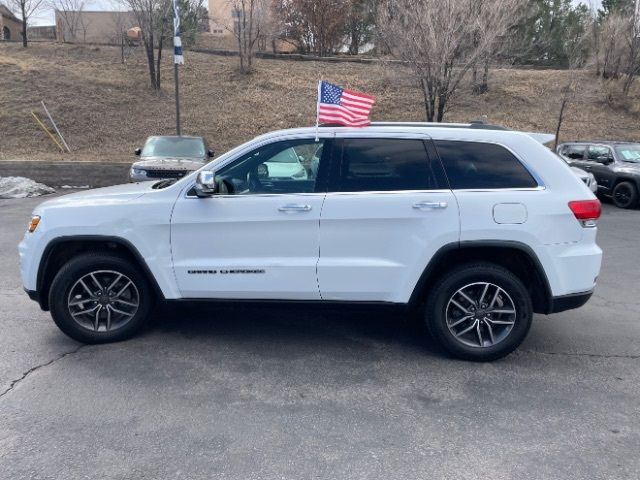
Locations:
{"points": [[569, 302]]}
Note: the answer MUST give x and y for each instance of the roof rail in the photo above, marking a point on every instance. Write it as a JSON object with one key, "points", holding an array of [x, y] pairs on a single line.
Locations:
{"points": [[475, 125]]}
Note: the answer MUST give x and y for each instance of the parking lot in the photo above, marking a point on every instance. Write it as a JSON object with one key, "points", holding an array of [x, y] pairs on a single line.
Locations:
{"points": [[297, 393]]}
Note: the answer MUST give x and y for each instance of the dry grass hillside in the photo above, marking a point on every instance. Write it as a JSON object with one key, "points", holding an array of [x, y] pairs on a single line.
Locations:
{"points": [[105, 109]]}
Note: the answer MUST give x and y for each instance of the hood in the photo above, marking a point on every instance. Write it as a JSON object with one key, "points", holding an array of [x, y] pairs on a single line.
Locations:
{"points": [[163, 163], [107, 195]]}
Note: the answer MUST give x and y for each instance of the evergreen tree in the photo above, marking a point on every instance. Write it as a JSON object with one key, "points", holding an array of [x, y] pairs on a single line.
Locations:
{"points": [[554, 28]]}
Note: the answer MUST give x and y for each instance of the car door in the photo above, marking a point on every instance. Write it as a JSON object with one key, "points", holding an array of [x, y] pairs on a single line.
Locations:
{"points": [[387, 211], [596, 155], [257, 238]]}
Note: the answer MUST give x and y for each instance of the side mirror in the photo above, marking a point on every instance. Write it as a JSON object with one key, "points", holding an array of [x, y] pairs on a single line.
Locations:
{"points": [[604, 159], [210, 153], [205, 184], [137, 151]]}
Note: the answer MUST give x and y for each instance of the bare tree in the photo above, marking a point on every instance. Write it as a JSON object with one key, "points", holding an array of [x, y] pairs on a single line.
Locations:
{"points": [[154, 19], [575, 53], [26, 9], [441, 40], [251, 19], [316, 26], [70, 12], [612, 33]]}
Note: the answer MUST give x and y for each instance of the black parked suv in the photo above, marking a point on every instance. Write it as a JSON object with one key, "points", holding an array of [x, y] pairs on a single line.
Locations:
{"points": [[616, 166]]}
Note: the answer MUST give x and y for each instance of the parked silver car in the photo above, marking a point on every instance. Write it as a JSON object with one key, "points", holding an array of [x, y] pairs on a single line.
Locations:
{"points": [[169, 157]]}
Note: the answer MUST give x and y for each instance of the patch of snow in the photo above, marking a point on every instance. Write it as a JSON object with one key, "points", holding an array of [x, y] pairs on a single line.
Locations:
{"points": [[21, 187], [81, 187]]}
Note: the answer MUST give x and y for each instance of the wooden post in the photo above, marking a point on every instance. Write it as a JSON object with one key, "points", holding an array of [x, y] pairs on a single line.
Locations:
{"points": [[55, 126]]}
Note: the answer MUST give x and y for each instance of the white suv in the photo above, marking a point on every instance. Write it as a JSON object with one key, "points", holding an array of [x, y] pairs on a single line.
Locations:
{"points": [[477, 227]]}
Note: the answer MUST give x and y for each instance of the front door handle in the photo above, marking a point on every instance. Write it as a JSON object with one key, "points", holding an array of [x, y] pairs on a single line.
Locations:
{"points": [[294, 207], [429, 205]]}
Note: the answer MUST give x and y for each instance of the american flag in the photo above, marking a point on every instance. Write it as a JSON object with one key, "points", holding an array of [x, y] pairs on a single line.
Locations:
{"points": [[344, 107], [177, 41]]}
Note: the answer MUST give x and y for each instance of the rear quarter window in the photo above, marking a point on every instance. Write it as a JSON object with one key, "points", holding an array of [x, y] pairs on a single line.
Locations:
{"points": [[477, 165]]}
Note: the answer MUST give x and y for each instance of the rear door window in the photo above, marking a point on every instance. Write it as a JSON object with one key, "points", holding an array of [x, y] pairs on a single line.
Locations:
{"points": [[573, 152], [477, 165], [385, 164]]}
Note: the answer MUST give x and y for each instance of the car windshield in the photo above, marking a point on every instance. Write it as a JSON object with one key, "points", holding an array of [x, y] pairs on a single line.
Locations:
{"points": [[286, 156], [629, 153], [180, 147]]}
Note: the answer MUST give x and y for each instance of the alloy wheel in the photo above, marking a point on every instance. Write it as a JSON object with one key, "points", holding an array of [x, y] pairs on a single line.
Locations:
{"points": [[103, 300], [623, 196], [480, 315]]}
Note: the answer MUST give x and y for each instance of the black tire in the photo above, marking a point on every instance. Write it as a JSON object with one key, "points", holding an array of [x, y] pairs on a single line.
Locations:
{"points": [[625, 195], [84, 264], [468, 275]]}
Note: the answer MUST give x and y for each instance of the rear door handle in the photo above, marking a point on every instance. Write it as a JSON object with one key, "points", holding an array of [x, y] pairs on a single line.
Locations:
{"points": [[429, 205], [294, 207]]}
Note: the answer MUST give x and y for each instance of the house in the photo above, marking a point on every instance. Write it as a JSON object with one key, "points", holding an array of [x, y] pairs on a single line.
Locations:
{"points": [[10, 25], [105, 27]]}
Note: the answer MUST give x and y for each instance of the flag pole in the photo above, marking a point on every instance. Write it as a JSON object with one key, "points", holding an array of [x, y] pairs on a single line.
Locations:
{"points": [[177, 81], [318, 109], [177, 59]]}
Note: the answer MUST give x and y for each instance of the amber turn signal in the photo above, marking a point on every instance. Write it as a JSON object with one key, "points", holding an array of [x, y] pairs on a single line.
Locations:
{"points": [[33, 224]]}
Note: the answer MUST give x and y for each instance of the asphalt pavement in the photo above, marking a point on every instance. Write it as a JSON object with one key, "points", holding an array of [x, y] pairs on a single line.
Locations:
{"points": [[239, 392]]}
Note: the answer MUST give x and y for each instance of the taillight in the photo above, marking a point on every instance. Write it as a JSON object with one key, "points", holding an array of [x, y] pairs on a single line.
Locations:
{"points": [[586, 211]]}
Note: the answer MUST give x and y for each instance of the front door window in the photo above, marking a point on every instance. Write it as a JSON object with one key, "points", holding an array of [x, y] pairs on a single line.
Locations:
{"points": [[597, 152], [290, 166]]}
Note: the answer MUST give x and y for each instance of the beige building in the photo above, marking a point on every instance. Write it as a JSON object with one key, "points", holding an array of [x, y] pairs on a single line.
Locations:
{"points": [[93, 26], [223, 24], [221, 18], [10, 26]]}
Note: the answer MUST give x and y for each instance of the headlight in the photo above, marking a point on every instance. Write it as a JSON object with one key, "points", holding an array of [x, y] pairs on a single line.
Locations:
{"points": [[33, 224], [138, 171]]}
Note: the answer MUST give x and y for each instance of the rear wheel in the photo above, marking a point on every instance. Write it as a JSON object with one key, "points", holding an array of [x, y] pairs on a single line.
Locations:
{"points": [[479, 312], [99, 298], [625, 195]]}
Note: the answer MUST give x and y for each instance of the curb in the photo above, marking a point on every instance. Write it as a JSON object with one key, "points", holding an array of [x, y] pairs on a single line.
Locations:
{"points": [[76, 174]]}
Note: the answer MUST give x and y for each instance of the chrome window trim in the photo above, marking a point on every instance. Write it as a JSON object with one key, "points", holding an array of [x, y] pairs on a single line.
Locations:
{"points": [[390, 192], [385, 134], [312, 194], [539, 188], [378, 192]]}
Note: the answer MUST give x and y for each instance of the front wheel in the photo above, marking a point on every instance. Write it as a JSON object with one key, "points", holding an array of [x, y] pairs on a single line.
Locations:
{"points": [[100, 298], [479, 312]]}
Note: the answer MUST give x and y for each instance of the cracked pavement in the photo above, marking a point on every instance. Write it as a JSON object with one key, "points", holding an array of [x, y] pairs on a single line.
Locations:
{"points": [[261, 393]]}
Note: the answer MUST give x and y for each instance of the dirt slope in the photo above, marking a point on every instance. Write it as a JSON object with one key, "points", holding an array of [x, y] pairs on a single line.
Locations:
{"points": [[105, 109]]}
